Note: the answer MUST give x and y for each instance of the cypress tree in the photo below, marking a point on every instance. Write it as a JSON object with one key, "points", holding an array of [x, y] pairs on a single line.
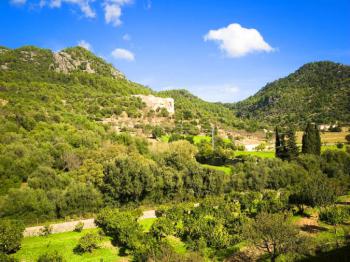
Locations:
{"points": [[317, 141], [291, 147], [278, 143], [311, 140]]}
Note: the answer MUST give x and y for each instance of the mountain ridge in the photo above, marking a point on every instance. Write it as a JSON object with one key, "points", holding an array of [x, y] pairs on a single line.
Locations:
{"points": [[317, 92]]}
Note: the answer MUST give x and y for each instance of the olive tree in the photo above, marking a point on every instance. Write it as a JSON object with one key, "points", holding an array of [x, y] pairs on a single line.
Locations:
{"points": [[274, 233]]}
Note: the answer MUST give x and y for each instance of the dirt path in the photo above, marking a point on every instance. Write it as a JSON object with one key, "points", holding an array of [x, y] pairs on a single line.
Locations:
{"points": [[70, 226]]}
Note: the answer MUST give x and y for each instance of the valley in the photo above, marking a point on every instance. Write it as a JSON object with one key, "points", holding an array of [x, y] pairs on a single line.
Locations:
{"points": [[80, 141]]}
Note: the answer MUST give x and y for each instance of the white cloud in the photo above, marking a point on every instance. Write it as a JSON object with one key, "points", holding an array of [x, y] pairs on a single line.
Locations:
{"points": [[126, 37], [124, 54], [84, 5], [237, 41], [18, 2], [113, 11], [85, 45]]}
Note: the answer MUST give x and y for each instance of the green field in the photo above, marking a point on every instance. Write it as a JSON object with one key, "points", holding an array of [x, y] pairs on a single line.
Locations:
{"points": [[265, 154], [64, 243], [198, 139], [332, 147], [225, 169]]}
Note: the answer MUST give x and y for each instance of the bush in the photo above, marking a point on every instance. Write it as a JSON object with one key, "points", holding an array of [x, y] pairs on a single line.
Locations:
{"points": [[79, 227], [51, 256], [46, 230], [11, 234], [158, 132], [340, 145], [347, 137], [334, 215], [7, 258], [88, 243]]}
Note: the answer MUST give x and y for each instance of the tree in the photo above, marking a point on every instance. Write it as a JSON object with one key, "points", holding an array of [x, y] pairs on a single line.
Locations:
{"points": [[129, 178], [285, 145], [292, 148], [11, 234], [311, 140], [315, 191], [161, 228], [278, 143], [273, 233], [123, 227]]}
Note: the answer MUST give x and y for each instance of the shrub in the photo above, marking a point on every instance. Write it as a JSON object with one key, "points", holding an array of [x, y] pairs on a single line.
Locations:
{"points": [[158, 132], [7, 258], [334, 215], [88, 243], [11, 234], [79, 227], [46, 230], [51, 256], [340, 145], [348, 138]]}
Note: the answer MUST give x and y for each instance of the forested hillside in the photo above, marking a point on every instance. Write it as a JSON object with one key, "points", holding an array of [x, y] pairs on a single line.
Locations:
{"points": [[52, 106], [59, 159], [317, 92]]}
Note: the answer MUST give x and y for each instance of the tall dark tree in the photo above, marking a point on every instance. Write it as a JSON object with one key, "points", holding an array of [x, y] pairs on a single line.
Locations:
{"points": [[311, 140], [278, 144], [292, 148], [286, 146]]}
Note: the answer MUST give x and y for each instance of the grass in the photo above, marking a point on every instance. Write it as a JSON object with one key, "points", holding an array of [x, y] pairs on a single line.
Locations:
{"points": [[165, 138], [264, 154], [344, 199], [64, 243], [332, 147], [226, 169], [147, 223], [328, 137], [198, 139]]}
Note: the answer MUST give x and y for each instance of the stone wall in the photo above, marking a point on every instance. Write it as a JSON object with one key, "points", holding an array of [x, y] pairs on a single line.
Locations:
{"points": [[154, 102]]}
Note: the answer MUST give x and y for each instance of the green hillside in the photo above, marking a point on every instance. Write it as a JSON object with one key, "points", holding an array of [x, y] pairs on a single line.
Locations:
{"points": [[52, 106], [318, 92], [192, 114]]}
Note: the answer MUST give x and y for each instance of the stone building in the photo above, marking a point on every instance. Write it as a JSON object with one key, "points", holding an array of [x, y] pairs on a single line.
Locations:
{"points": [[155, 103]]}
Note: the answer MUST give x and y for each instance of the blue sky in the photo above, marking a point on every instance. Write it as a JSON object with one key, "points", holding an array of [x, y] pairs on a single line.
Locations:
{"points": [[220, 50]]}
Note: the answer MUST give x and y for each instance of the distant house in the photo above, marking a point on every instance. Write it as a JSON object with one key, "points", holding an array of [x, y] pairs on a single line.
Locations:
{"points": [[325, 127], [250, 147]]}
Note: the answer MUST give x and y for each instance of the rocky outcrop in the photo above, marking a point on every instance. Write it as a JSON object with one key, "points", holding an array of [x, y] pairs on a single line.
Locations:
{"points": [[65, 63], [155, 103]]}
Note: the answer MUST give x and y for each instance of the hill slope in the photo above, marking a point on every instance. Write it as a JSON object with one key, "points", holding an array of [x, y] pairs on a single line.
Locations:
{"points": [[94, 88], [318, 92]]}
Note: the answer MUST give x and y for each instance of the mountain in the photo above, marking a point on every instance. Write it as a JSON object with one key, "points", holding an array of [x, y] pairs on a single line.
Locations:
{"points": [[58, 109], [317, 92], [69, 60], [94, 88]]}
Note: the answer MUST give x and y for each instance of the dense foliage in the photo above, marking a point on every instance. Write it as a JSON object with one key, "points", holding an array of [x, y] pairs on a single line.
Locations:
{"points": [[11, 234], [317, 92]]}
